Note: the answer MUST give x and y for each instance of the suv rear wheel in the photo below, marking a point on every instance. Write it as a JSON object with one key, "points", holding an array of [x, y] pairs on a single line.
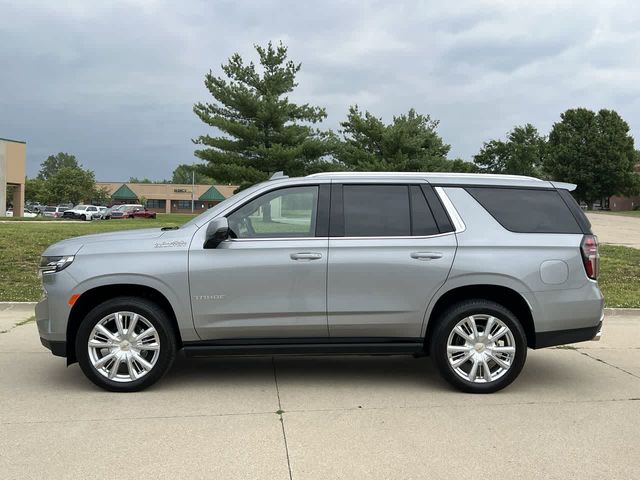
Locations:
{"points": [[479, 346], [125, 344]]}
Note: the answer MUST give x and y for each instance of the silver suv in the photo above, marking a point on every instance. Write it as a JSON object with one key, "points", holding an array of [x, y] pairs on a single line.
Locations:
{"points": [[469, 269]]}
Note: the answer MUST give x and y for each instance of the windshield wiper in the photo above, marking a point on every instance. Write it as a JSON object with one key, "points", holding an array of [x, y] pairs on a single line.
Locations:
{"points": [[164, 229]]}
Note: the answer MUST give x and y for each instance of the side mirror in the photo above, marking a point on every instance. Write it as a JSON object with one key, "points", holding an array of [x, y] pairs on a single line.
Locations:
{"points": [[217, 232]]}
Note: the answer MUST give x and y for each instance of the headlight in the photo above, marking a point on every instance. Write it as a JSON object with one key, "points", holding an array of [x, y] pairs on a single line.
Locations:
{"points": [[54, 264]]}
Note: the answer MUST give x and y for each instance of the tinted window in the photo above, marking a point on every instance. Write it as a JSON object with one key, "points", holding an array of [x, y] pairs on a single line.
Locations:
{"points": [[422, 221], [288, 212], [376, 210], [527, 211], [578, 214], [440, 214]]}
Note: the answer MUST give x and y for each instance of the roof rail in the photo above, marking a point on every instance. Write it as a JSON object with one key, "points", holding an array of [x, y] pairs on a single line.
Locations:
{"points": [[278, 175], [424, 174]]}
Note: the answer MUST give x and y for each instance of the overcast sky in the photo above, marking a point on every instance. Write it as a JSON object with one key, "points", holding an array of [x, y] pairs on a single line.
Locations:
{"points": [[114, 82]]}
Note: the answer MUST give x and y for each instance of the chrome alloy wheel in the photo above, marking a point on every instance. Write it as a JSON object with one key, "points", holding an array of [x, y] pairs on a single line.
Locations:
{"points": [[481, 348], [124, 346]]}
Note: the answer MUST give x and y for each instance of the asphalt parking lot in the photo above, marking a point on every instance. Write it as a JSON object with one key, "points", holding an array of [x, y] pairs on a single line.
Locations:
{"points": [[572, 413]]}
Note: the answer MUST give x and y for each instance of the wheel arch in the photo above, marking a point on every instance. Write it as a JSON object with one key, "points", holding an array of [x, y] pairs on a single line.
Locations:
{"points": [[94, 296], [504, 295]]}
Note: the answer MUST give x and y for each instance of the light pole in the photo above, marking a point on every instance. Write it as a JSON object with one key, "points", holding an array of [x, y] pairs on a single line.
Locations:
{"points": [[193, 184]]}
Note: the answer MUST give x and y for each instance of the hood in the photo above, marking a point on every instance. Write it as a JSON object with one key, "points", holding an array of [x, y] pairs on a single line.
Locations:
{"points": [[71, 246]]}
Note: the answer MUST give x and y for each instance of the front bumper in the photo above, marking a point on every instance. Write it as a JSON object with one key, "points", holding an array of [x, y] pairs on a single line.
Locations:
{"points": [[52, 311]]}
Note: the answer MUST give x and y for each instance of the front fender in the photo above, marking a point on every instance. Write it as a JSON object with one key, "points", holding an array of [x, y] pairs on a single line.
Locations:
{"points": [[178, 298]]}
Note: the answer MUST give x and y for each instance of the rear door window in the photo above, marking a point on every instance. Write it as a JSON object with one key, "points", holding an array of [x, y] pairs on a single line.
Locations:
{"points": [[527, 210], [422, 221], [376, 211]]}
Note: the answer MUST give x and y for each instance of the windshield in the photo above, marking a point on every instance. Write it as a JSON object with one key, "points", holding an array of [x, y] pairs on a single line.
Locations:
{"points": [[49, 209], [80, 207], [213, 211]]}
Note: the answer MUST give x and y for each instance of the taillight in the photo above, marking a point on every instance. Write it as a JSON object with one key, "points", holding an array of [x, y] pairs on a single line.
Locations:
{"points": [[590, 256]]}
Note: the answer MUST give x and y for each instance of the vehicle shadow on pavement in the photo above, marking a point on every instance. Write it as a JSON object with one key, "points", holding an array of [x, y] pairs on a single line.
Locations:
{"points": [[388, 372], [339, 371]]}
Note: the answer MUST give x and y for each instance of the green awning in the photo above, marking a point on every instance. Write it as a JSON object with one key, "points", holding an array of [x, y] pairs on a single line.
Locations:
{"points": [[124, 193], [211, 195]]}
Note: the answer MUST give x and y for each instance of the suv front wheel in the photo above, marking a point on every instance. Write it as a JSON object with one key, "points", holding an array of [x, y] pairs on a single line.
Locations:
{"points": [[125, 344], [479, 346]]}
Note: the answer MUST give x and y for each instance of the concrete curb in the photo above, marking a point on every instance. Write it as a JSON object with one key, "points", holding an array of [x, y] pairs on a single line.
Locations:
{"points": [[10, 304], [622, 312]]}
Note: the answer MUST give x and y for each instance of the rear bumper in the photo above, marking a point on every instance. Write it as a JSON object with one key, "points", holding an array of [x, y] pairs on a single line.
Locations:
{"points": [[562, 337], [58, 348]]}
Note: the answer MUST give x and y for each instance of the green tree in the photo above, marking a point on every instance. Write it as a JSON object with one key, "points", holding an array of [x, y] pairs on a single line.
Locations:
{"points": [[594, 151], [523, 153], [53, 163], [100, 196], [35, 190], [184, 174], [139, 180], [409, 143], [63, 180], [146, 180], [262, 131], [71, 184]]}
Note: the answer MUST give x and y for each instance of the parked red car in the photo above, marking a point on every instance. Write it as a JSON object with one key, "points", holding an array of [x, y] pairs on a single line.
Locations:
{"points": [[141, 212]]}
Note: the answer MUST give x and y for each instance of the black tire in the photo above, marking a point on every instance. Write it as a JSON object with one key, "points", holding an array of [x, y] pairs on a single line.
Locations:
{"points": [[159, 320], [447, 322], [83, 218]]}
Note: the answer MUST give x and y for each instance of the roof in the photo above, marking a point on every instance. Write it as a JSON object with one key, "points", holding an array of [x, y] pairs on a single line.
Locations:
{"points": [[124, 192], [442, 178], [212, 195], [10, 140]]}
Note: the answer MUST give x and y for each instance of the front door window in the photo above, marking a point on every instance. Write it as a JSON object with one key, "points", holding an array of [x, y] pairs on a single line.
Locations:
{"points": [[284, 213]]}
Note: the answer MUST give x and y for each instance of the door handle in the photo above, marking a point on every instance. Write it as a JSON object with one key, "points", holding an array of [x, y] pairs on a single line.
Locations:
{"points": [[426, 255], [306, 256]]}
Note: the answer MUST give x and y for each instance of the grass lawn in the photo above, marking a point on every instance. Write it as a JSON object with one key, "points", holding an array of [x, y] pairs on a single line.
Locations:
{"points": [[625, 213], [22, 243], [620, 276]]}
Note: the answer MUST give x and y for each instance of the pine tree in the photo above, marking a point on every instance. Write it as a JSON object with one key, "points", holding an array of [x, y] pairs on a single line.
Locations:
{"points": [[410, 143], [262, 131]]}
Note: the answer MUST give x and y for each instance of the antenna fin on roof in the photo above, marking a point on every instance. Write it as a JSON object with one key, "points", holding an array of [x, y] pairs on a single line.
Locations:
{"points": [[279, 174]]}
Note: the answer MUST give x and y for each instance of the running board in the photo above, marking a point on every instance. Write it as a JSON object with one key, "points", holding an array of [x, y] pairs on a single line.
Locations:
{"points": [[202, 349]]}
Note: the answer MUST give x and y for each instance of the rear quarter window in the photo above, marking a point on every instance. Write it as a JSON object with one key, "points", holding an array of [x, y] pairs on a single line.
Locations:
{"points": [[527, 210]]}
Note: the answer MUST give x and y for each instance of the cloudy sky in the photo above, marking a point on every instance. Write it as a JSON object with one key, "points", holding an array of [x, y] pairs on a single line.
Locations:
{"points": [[114, 83]]}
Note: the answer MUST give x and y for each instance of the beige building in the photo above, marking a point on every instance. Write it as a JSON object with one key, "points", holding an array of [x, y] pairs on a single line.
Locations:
{"points": [[13, 159], [168, 197]]}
